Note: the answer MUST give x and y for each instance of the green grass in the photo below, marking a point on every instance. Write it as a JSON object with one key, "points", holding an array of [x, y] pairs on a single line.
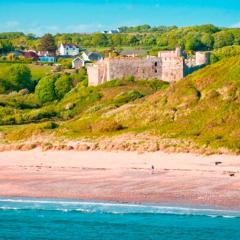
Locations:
{"points": [[38, 71]]}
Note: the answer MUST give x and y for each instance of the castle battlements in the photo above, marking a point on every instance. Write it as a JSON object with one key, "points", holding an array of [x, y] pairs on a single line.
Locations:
{"points": [[168, 66]]}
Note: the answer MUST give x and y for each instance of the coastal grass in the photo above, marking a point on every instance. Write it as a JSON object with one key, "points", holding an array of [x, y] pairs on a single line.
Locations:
{"points": [[202, 108]]}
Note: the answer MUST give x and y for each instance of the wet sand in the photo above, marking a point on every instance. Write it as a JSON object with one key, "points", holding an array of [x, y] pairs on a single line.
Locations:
{"points": [[182, 179]]}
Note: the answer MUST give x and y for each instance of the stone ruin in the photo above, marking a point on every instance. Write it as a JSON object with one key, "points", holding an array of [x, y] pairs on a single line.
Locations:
{"points": [[168, 66]]}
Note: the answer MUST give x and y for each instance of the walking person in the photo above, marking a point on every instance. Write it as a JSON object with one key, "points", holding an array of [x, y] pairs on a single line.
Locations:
{"points": [[153, 168]]}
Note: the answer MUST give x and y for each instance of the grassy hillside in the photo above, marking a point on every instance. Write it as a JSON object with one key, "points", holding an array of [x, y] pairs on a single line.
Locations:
{"points": [[38, 71], [202, 108]]}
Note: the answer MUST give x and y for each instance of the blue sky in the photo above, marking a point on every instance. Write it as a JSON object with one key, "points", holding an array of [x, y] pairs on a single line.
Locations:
{"points": [[41, 16]]}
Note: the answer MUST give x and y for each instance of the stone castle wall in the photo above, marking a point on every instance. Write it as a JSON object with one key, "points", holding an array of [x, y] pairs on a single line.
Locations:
{"points": [[140, 68], [168, 66]]}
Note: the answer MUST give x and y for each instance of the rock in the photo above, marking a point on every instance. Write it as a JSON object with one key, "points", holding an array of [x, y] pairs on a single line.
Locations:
{"points": [[47, 147], [94, 146], [70, 106], [82, 147], [68, 148], [26, 147]]}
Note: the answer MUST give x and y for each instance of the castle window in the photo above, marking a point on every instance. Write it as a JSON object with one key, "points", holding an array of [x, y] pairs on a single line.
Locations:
{"points": [[156, 71], [156, 64]]}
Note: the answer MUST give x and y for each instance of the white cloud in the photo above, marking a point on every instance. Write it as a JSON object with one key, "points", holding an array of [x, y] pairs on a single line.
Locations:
{"points": [[236, 25], [84, 27], [12, 24], [40, 30]]}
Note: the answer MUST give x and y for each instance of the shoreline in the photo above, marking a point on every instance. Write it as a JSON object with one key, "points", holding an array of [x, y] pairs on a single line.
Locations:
{"points": [[164, 208], [178, 179]]}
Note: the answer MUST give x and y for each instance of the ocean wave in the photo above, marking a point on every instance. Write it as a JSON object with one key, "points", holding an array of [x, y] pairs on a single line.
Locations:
{"points": [[85, 207]]}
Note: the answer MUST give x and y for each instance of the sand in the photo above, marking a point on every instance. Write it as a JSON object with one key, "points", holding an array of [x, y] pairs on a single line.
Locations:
{"points": [[181, 179]]}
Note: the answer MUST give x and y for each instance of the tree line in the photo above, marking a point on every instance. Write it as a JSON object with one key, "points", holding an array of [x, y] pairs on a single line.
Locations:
{"points": [[196, 38]]}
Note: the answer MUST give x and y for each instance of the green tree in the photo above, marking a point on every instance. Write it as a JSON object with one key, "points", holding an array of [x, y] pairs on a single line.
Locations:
{"points": [[133, 40], [193, 43], [19, 76], [223, 38], [6, 46], [99, 39], [45, 89], [47, 43], [207, 40], [116, 39], [63, 85], [4, 86]]}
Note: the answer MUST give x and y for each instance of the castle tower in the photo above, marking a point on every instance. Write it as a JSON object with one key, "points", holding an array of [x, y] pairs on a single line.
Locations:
{"points": [[178, 51], [202, 58]]}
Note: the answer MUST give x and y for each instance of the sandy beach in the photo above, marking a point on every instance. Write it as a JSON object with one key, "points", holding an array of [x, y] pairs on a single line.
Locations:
{"points": [[178, 178]]}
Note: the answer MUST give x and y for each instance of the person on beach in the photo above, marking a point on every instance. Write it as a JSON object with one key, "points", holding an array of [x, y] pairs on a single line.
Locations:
{"points": [[153, 169]]}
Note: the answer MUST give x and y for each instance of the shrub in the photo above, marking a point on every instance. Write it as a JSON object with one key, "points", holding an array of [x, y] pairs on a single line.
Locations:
{"points": [[45, 89], [19, 75], [80, 76], [127, 97], [107, 125], [49, 125], [4, 86], [156, 84], [131, 79], [62, 86]]}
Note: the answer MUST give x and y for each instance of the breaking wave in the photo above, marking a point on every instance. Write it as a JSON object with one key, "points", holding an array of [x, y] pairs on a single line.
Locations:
{"points": [[85, 207]]}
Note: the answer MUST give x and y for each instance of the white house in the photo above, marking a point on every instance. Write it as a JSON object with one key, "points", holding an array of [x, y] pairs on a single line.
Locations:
{"points": [[68, 50], [92, 56]]}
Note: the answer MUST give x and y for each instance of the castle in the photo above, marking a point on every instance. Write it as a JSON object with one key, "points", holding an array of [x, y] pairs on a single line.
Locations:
{"points": [[168, 66]]}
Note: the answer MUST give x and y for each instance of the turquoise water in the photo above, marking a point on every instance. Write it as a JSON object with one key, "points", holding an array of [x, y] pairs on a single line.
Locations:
{"points": [[65, 219]]}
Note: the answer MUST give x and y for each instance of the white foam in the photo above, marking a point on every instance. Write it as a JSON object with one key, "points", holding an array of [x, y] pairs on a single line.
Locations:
{"points": [[108, 207]]}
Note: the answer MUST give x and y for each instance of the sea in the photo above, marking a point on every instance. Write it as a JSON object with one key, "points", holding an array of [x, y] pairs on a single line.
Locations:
{"points": [[30, 218]]}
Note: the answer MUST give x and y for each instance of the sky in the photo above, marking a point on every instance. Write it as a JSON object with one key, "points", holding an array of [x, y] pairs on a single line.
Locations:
{"points": [[57, 16]]}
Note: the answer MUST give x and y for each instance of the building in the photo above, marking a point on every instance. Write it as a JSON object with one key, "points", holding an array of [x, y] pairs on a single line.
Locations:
{"points": [[31, 54], [78, 63], [92, 56], [68, 50], [115, 31], [43, 53], [168, 66], [47, 59], [16, 53]]}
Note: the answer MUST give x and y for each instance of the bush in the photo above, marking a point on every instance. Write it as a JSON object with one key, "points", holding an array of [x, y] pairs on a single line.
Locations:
{"points": [[127, 97], [45, 89], [62, 86], [156, 84], [107, 125], [65, 62], [224, 52], [131, 79], [19, 76], [49, 125], [4, 86]]}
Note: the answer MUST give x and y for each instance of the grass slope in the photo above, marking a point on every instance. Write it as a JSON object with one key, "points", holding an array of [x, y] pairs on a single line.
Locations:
{"points": [[202, 108]]}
